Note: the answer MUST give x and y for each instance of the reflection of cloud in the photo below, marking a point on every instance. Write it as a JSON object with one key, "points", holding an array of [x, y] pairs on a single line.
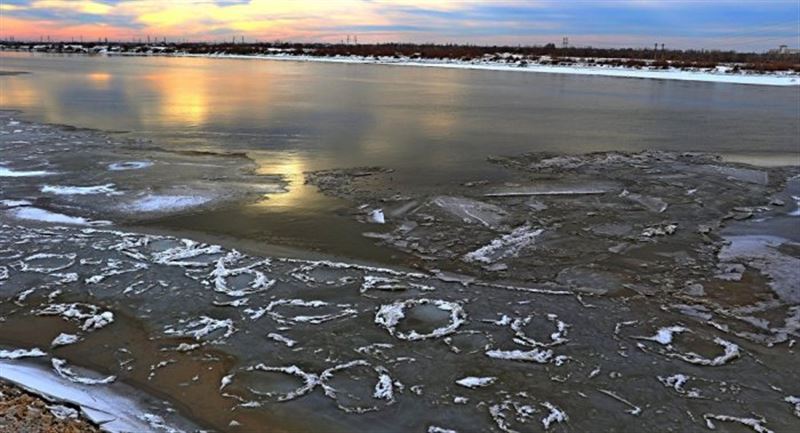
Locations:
{"points": [[292, 167], [18, 93], [182, 96], [99, 80], [192, 93]]}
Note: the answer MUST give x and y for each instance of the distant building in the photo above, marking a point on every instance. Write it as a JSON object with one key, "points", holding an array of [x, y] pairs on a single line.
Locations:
{"points": [[784, 50]]}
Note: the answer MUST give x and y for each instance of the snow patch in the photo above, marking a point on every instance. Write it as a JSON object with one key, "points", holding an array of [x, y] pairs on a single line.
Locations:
{"points": [[476, 382], [107, 189], [37, 214], [165, 203], [7, 172], [508, 245], [22, 353]]}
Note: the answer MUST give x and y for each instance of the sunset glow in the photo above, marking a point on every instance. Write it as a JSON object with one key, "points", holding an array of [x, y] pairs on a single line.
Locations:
{"points": [[711, 24]]}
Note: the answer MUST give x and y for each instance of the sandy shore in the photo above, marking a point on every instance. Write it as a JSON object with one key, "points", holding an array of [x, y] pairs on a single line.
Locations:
{"points": [[21, 411]]}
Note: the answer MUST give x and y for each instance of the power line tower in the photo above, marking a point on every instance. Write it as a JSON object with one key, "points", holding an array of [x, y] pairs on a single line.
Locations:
{"points": [[565, 43]]}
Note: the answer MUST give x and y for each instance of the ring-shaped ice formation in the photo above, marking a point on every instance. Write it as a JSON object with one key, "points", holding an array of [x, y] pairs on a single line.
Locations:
{"points": [[310, 381], [556, 338], [665, 336], [27, 266], [384, 388], [454, 347], [129, 165], [344, 311], [389, 316], [221, 275]]}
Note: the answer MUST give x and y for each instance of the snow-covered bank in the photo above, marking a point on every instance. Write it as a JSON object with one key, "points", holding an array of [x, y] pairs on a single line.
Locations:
{"points": [[717, 75], [114, 408]]}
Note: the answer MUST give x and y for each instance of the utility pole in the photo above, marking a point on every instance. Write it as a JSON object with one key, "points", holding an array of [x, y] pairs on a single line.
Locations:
{"points": [[655, 51]]}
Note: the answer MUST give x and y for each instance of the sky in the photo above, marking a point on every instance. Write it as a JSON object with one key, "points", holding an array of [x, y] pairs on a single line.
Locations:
{"points": [[745, 25]]}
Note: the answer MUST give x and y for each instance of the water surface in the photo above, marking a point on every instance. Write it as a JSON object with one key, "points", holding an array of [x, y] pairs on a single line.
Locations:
{"points": [[435, 127]]}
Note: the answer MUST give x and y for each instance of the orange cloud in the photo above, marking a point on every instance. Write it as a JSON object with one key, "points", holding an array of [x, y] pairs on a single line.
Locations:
{"points": [[35, 29]]}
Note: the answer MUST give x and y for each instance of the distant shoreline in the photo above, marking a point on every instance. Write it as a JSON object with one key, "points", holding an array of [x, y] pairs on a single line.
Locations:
{"points": [[720, 74], [717, 76]]}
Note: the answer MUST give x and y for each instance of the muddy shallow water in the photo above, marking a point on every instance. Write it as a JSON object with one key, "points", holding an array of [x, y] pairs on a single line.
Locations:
{"points": [[607, 291]]}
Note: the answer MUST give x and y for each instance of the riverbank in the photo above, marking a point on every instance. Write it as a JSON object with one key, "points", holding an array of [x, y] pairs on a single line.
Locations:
{"points": [[24, 412], [721, 74], [726, 73]]}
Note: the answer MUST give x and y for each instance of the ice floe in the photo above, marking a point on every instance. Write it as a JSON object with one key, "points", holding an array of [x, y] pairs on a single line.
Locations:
{"points": [[756, 424], [7, 172], [437, 429], [376, 216], [383, 390], [63, 370], [90, 316], [731, 352], [556, 338], [62, 412], [476, 382], [223, 276], [763, 253], [677, 382], [471, 211], [47, 263], [389, 316], [106, 189], [339, 311], [281, 339], [660, 230], [534, 355], [22, 353], [203, 327], [633, 409], [158, 423], [64, 339], [165, 203], [15, 203], [555, 415], [508, 245], [37, 214], [653, 204], [794, 401], [665, 336], [129, 165], [511, 415]]}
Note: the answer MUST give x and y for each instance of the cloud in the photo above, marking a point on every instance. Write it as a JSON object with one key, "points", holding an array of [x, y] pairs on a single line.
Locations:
{"points": [[708, 23], [82, 6]]}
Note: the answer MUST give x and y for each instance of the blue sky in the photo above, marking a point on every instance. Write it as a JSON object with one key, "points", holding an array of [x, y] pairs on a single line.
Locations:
{"points": [[711, 24]]}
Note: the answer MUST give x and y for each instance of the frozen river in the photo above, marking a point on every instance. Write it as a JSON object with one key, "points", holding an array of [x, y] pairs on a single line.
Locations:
{"points": [[303, 247], [434, 127]]}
